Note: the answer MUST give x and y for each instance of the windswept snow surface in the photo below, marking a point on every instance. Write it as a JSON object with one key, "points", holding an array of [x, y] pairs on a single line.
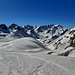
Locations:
{"points": [[26, 56]]}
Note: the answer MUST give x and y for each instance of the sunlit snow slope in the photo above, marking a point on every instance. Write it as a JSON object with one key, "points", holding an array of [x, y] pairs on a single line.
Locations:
{"points": [[64, 45], [20, 54], [23, 44], [26, 56], [45, 33]]}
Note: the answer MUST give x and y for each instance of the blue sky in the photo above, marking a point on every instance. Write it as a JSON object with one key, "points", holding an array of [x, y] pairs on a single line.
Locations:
{"points": [[38, 12]]}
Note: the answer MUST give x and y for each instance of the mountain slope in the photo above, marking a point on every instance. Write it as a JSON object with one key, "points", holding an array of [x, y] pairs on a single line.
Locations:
{"points": [[27, 56], [24, 44], [45, 33], [64, 45]]}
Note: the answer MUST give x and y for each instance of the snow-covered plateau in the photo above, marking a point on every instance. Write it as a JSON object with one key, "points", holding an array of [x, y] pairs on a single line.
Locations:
{"points": [[37, 50]]}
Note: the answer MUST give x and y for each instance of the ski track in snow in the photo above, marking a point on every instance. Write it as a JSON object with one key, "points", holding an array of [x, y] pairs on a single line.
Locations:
{"points": [[36, 70], [49, 61]]}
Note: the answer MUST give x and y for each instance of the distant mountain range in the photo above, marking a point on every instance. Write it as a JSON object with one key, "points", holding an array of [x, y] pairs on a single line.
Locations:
{"points": [[43, 33]]}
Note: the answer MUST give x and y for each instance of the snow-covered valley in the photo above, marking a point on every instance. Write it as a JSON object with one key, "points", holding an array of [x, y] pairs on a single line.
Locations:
{"points": [[21, 54]]}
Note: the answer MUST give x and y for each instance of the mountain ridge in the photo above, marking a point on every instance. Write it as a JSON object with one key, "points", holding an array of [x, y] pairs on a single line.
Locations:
{"points": [[43, 33], [64, 45]]}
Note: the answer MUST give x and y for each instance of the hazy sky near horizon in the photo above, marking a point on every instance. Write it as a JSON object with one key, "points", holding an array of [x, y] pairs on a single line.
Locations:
{"points": [[38, 12]]}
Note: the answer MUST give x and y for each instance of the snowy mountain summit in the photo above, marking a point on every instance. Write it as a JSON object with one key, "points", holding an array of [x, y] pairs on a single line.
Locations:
{"points": [[44, 33], [64, 45]]}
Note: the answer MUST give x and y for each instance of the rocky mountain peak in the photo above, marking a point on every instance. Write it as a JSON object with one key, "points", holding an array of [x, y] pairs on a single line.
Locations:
{"points": [[45, 33], [3, 26]]}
